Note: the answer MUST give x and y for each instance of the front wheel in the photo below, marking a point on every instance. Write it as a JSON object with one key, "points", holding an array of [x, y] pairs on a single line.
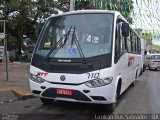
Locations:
{"points": [[111, 107], [133, 83], [46, 101]]}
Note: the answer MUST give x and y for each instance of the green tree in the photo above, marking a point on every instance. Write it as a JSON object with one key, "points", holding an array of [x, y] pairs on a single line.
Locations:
{"points": [[24, 16], [84, 4], [125, 7]]}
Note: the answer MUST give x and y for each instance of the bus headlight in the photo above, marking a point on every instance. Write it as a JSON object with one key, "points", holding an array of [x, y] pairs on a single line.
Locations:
{"points": [[36, 78], [99, 82]]}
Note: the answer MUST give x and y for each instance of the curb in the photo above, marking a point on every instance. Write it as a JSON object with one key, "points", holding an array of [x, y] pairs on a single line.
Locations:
{"points": [[16, 62], [19, 92]]}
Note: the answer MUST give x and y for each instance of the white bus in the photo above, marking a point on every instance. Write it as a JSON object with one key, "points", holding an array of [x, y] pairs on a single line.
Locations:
{"points": [[89, 56]]}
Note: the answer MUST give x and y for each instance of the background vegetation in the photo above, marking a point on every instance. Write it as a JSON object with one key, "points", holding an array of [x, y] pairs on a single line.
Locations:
{"points": [[26, 17]]}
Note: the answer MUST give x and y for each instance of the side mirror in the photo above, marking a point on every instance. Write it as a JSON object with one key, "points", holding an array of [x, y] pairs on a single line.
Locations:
{"points": [[125, 29], [145, 52]]}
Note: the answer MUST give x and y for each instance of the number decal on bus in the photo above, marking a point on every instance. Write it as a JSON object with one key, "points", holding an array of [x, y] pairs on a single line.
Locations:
{"points": [[93, 75]]}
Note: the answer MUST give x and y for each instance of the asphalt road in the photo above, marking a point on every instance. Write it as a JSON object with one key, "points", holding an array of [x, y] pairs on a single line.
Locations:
{"points": [[143, 98]]}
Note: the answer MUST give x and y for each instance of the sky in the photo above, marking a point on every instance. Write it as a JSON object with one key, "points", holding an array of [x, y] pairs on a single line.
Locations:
{"points": [[146, 15]]}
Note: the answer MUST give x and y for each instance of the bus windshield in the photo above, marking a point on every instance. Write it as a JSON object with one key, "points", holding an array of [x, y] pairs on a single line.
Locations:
{"points": [[156, 57], [76, 36]]}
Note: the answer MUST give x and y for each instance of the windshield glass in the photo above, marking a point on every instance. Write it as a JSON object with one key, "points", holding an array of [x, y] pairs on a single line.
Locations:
{"points": [[157, 57], [72, 36]]}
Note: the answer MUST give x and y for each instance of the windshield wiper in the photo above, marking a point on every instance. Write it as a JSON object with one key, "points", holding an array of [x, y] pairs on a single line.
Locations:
{"points": [[74, 38], [60, 44]]}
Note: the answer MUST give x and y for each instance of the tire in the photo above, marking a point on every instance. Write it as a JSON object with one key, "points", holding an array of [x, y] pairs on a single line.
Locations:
{"points": [[149, 67], [141, 72], [46, 101], [144, 68], [111, 107], [134, 82]]}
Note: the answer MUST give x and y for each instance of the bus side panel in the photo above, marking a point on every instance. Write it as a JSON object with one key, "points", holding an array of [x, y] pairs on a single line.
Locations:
{"points": [[126, 69]]}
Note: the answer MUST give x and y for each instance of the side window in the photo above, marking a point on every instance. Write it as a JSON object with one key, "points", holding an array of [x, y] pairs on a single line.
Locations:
{"points": [[117, 42], [129, 43], [132, 41], [124, 46], [125, 42], [135, 43], [138, 45]]}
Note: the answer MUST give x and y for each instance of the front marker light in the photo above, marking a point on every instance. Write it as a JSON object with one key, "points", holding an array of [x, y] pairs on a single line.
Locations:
{"points": [[36, 78], [99, 82]]}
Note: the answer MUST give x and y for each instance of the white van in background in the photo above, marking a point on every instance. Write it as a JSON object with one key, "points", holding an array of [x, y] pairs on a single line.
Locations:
{"points": [[153, 61]]}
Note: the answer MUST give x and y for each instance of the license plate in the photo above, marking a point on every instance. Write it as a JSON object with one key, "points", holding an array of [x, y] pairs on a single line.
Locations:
{"points": [[64, 92]]}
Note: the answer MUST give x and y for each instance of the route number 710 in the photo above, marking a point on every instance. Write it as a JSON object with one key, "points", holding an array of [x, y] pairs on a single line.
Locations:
{"points": [[93, 75]]}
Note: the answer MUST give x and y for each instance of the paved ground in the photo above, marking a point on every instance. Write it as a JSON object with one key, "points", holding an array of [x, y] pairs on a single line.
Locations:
{"points": [[18, 75], [141, 99], [18, 80]]}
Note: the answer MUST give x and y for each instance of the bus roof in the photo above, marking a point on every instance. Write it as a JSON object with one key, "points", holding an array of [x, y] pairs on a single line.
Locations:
{"points": [[154, 54], [87, 11]]}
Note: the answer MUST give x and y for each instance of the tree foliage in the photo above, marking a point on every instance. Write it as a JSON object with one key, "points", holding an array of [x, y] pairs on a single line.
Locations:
{"points": [[23, 17], [125, 7]]}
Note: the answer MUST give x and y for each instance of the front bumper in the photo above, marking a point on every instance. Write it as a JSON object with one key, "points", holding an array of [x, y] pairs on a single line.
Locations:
{"points": [[80, 93], [154, 66]]}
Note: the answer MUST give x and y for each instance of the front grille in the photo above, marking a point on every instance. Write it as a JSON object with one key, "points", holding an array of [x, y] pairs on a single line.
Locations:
{"points": [[156, 61], [77, 95], [36, 92]]}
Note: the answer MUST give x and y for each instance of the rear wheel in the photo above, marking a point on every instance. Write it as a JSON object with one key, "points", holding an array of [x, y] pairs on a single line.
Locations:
{"points": [[144, 68], [134, 82], [141, 72], [46, 101], [149, 67]]}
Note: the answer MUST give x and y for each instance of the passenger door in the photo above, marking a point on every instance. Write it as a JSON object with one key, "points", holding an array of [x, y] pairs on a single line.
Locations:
{"points": [[121, 56]]}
